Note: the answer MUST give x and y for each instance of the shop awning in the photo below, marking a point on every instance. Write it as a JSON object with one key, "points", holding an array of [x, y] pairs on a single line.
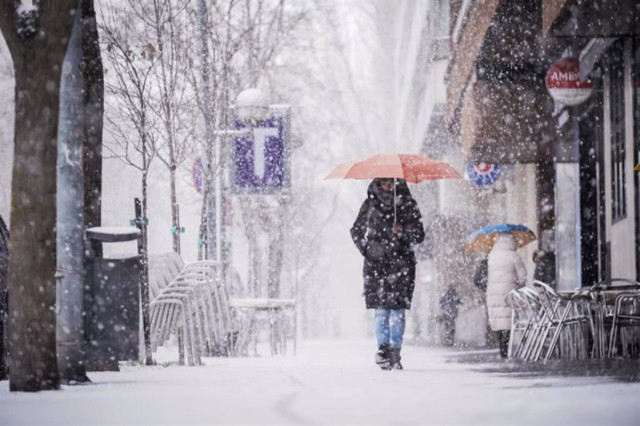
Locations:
{"points": [[506, 122], [551, 10], [594, 18], [468, 38]]}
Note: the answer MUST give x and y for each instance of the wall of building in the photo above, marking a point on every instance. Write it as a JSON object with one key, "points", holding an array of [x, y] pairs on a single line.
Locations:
{"points": [[521, 207]]}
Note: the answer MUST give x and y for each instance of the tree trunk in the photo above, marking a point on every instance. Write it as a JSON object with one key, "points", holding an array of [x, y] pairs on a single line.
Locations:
{"points": [[37, 41], [276, 250], [144, 282], [93, 101], [206, 107], [93, 76], [32, 259], [166, 86], [70, 217], [174, 203]]}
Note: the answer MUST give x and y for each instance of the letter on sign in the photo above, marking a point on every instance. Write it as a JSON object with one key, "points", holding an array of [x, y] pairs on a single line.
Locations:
{"points": [[260, 135], [260, 156]]}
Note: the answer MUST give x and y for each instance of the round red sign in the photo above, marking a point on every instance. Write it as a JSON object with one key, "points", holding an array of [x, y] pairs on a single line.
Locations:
{"points": [[564, 84]]}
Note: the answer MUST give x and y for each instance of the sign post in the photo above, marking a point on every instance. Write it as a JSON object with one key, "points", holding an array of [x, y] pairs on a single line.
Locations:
{"points": [[261, 174]]}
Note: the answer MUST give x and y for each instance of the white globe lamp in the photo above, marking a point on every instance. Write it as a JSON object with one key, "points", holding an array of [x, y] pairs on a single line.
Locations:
{"points": [[252, 105]]}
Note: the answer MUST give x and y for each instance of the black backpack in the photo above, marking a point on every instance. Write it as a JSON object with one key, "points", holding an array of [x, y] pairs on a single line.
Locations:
{"points": [[482, 274]]}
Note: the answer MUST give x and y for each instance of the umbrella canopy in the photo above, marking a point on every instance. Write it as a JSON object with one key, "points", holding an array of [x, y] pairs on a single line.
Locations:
{"points": [[484, 238], [410, 167]]}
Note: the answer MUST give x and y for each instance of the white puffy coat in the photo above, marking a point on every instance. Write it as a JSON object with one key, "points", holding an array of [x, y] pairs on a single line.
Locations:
{"points": [[506, 273]]}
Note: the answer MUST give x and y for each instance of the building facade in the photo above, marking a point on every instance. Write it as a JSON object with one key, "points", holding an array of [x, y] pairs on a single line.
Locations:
{"points": [[580, 158]]}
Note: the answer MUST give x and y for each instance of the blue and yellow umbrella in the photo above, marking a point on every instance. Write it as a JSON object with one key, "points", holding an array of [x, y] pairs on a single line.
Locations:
{"points": [[484, 238]]}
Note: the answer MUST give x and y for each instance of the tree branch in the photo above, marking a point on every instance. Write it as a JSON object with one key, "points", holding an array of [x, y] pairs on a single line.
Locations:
{"points": [[8, 25]]}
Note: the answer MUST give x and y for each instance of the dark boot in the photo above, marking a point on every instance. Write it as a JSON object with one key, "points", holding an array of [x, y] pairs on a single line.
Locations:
{"points": [[395, 359], [503, 340], [382, 356]]}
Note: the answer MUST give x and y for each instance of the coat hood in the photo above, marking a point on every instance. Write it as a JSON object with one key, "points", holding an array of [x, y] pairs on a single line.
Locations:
{"points": [[505, 241], [385, 199]]}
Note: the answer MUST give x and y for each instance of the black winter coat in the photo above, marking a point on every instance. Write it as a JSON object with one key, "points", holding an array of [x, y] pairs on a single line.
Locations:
{"points": [[545, 269], [389, 262]]}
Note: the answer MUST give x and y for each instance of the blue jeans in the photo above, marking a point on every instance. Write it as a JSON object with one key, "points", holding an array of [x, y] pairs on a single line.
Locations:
{"points": [[390, 326]]}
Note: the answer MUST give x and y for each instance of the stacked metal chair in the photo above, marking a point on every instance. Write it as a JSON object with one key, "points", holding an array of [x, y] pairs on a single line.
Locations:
{"points": [[191, 301], [567, 321], [625, 326], [617, 317], [527, 324], [520, 320]]}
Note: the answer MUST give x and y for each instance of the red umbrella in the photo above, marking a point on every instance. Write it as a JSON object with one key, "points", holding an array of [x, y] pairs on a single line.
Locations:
{"points": [[410, 167]]}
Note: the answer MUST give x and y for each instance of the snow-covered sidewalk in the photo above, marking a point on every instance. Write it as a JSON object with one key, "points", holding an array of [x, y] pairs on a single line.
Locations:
{"points": [[328, 382]]}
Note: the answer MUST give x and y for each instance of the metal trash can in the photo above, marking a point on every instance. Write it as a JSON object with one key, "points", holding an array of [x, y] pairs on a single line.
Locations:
{"points": [[112, 299]]}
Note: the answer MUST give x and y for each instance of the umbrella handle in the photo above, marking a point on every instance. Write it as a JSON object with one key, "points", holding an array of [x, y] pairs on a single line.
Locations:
{"points": [[395, 218]]}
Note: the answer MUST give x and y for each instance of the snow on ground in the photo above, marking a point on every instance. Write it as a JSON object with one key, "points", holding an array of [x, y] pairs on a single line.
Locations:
{"points": [[326, 383]]}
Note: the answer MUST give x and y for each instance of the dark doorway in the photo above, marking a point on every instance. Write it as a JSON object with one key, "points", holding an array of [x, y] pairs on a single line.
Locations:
{"points": [[592, 214]]}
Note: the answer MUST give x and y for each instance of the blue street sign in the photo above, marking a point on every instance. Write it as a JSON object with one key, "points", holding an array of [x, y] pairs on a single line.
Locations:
{"points": [[261, 156], [483, 174]]}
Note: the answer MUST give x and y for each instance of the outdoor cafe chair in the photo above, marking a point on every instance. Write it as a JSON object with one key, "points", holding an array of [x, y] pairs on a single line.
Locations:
{"points": [[218, 323], [172, 315], [526, 347], [566, 320], [619, 303], [521, 321], [626, 314], [203, 303], [179, 305], [611, 299], [191, 303]]}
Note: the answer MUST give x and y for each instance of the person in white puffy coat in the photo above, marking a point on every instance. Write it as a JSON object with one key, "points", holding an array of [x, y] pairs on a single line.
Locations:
{"points": [[506, 272]]}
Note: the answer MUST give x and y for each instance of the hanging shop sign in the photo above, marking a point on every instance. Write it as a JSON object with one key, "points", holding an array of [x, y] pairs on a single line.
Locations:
{"points": [[483, 174], [564, 84], [261, 154]]}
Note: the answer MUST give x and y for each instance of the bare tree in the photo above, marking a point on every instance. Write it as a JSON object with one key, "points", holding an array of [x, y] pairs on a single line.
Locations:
{"points": [[322, 70], [37, 38], [132, 124], [244, 37], [173, 99]]}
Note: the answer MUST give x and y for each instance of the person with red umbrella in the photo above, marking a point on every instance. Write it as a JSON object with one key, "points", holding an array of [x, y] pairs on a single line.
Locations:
{"points": [[388, 225]]}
